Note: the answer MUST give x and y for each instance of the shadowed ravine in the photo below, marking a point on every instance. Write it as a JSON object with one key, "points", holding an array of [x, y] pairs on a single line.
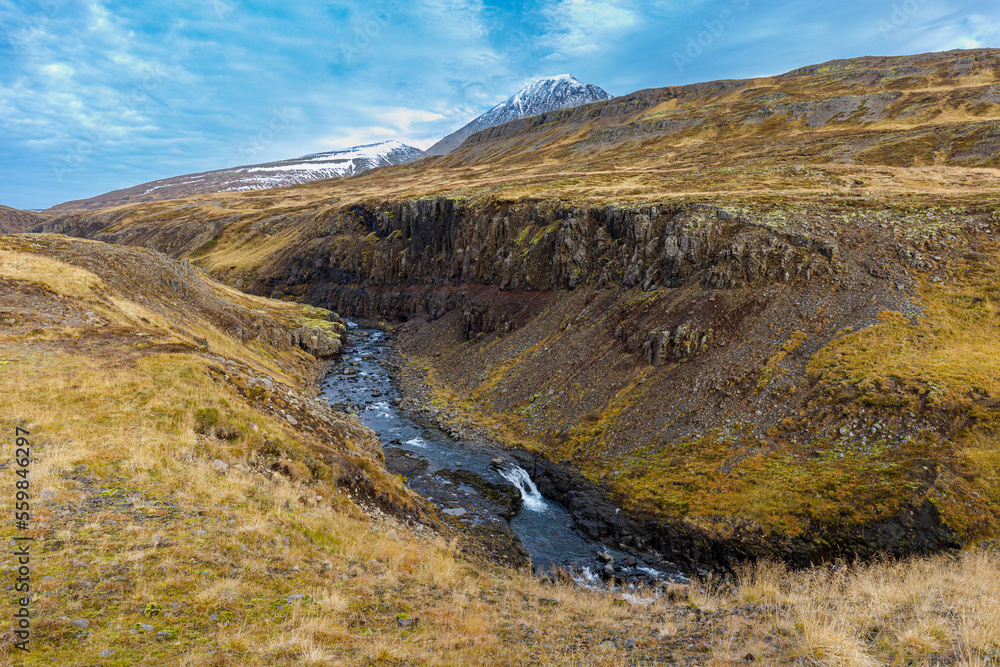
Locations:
{"points": [[465, 478]]}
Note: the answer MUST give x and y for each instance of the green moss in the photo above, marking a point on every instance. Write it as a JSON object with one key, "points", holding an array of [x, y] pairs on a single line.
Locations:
{"points": [[945, 366], [779, 490], [205, 419], [900, 152]]}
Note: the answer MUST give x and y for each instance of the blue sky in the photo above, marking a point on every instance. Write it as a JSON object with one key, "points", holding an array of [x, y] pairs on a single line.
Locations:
{"points": [[97, 95]]}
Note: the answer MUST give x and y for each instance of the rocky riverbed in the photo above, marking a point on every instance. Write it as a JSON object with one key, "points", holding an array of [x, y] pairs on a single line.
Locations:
{"points": [[483, 490]]}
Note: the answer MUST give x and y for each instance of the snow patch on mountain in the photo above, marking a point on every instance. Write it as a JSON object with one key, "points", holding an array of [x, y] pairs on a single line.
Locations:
{"points": [[317, 166], [312, 167], [549, 94]]}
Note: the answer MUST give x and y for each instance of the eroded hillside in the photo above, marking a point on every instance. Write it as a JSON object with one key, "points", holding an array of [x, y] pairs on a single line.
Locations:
{"points": [[13, 220]]}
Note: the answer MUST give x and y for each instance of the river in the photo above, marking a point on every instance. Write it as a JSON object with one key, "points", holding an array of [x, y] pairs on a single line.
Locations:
{"points": [[466, 478]]}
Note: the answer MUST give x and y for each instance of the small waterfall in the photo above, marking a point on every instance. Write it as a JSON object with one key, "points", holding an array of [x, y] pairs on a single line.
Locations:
{"points": [[531, 498]]}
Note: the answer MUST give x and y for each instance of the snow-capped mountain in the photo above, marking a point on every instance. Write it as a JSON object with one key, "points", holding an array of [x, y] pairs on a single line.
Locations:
{"points": [[548, 94], [307, 168], [324, 165]]}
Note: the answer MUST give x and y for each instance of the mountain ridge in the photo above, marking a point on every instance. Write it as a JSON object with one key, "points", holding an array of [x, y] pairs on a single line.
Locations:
{"points": [[546, 94], [543, 95], [279, 173], [814, 135]]}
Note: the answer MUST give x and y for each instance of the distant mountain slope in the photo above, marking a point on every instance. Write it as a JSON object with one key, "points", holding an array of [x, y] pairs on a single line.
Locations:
{"points": [[14, 220], [908, 112], [860, 130], [549, 94], [305, 169]]}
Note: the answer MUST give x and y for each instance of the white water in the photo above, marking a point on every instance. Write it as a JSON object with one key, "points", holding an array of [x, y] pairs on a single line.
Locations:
{"points": [[586, 577], [380, 408], [531, 498]]}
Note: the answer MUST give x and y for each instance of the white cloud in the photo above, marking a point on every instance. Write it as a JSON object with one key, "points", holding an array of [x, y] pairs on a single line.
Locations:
{"points": [[79, 75], [411, 126], [404, 119], [100, 19], [461, 16], [358, 136], [925, 27], [583, 26]]}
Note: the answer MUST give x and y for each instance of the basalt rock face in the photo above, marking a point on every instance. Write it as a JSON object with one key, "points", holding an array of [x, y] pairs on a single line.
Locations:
{"points": [[315, 341], [401, 259], [79, 226], [121, 227], [635, 343]]}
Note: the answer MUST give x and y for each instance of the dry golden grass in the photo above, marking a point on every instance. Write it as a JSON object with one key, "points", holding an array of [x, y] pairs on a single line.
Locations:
{"points": [[243, 254], [921, 611], [27, 259], [58, 276]]}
